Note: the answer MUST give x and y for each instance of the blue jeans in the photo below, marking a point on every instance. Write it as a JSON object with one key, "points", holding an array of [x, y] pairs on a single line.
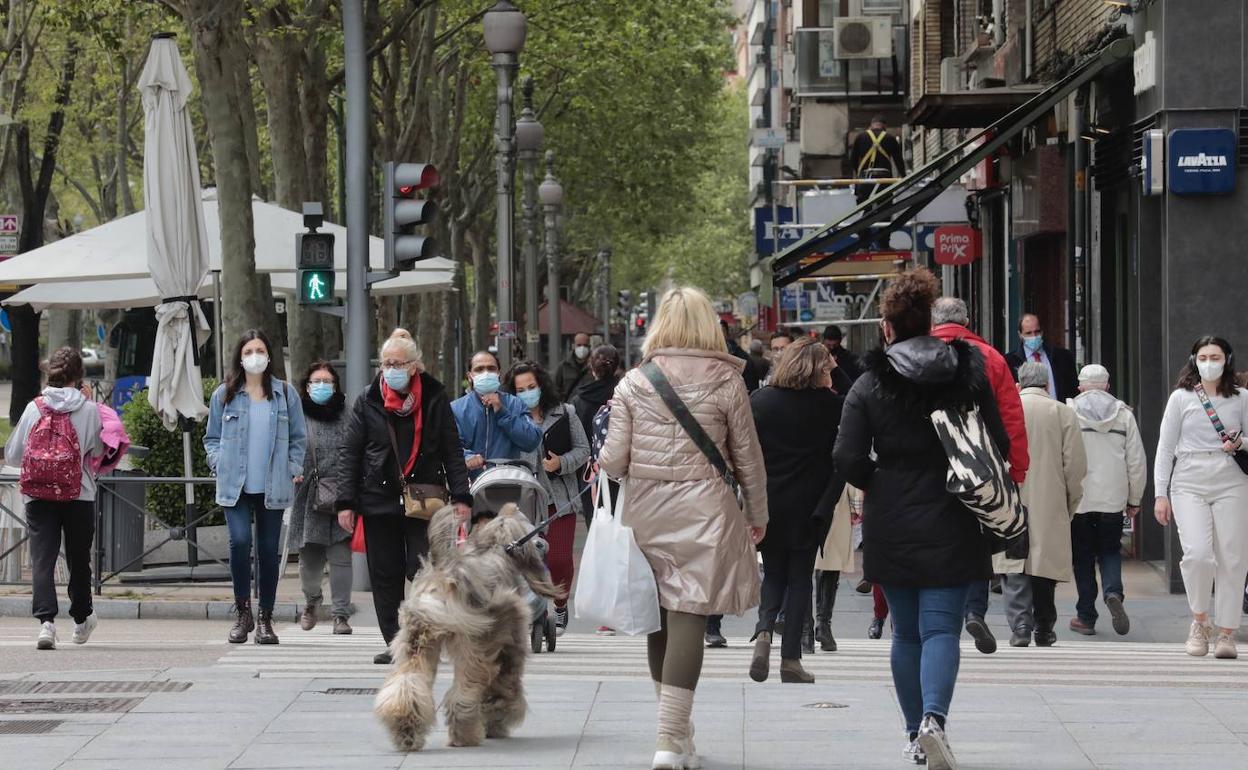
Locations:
{"points": [[1096, 538], [925, 656], [977, 599], [268, 532]]}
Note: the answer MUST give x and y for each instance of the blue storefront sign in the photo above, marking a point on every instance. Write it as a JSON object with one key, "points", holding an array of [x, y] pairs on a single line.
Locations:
{"points": [[764, 231], [1201, 161]]}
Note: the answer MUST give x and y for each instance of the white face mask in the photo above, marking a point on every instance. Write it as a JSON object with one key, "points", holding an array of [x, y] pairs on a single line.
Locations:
{"points": [[581, 351], [255, 363], [1210, 370]]}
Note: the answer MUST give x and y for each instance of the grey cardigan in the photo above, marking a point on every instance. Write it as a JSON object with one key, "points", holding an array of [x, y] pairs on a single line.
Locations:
{"points": [[567, 485]]}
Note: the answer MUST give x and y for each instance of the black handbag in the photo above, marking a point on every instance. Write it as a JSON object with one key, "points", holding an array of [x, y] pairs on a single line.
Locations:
{"points": [[1240, 457], [324, 496]]}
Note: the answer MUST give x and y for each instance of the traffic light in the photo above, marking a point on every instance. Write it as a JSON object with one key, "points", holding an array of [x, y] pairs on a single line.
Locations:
{"points": [[405, 211], [644, 312], [314, 258], [625, 303]]}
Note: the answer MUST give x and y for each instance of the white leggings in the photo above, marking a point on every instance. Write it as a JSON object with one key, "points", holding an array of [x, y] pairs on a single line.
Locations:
{"points": [[1209, 494]]}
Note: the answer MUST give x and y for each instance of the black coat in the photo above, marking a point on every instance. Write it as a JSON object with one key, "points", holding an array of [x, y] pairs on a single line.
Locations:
{"points": [[797, 430], [915, 533], [590, 398], [1065, 373], [368, 472], [751, 374]]}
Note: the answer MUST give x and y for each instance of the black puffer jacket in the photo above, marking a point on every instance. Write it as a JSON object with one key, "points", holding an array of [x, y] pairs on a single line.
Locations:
{"points": [[915, 534], [368, 473]]}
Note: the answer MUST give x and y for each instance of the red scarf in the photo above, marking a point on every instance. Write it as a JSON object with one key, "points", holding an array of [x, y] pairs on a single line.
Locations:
{"points": [[397, 404]]}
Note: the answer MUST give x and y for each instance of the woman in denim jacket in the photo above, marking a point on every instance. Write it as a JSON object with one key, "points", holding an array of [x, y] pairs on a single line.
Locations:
{"points": [[255, 443]]}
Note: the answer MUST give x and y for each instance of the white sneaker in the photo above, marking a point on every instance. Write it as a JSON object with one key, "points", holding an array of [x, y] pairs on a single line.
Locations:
{"points": [[913, 753], [670, 754], [82, 631], [1225, 646], [47, 636], [935, 745], [1198, 639], [692, 760]]}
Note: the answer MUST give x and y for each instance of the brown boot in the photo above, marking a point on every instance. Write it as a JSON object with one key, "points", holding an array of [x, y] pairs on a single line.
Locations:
{"points": [[264, 628], [341, 626], [761, 663], [791, 672], [244, 623], [307, 618]]}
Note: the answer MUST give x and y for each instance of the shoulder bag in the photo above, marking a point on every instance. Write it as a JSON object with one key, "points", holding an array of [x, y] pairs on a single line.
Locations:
{"points": [[977, 476], [691, 425], [323, 496], [1240, 457], [420, 501]]}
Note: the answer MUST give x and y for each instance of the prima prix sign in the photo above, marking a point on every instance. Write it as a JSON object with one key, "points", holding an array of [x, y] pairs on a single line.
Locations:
{"points": [[956, 245]]}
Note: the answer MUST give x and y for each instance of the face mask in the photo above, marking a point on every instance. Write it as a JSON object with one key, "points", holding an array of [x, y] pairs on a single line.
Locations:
{"points": [[530, 397], [321, 392], [1210, 371], [485, 383], [255, 363], [1033, 344], [397, 379], [581, 352]]}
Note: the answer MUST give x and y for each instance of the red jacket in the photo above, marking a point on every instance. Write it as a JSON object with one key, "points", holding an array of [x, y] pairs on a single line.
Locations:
{"points": [[1003, 388]]}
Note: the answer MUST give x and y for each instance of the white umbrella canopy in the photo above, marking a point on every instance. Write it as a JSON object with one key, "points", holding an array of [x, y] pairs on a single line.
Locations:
{"points": [[177, 238]]}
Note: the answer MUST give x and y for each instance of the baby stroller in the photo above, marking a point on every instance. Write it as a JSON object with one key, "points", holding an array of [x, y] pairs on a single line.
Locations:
{"points": [[513, 481]]}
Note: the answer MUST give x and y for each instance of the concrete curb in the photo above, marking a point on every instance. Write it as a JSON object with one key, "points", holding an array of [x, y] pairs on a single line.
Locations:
{"points": [[155, 609]]}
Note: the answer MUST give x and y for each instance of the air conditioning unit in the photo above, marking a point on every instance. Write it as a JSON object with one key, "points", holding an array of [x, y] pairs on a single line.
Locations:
{"points": [[951, 75], [863, 37]]}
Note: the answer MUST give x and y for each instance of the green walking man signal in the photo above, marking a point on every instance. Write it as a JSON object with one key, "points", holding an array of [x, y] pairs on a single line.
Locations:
{"points": [[314, 255]]}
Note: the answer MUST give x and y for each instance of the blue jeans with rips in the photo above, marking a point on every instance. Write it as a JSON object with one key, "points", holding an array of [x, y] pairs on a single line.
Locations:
{"points": [[925, 655]]}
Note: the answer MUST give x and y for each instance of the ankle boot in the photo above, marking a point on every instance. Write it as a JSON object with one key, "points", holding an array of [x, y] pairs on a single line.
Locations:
{"points": [[244, 622], [791, 672], [808, 635], [825, 600], [761, 662], [264, 628], [307, 618]]}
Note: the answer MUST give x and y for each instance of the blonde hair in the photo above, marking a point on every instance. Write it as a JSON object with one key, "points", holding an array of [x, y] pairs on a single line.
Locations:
{"points": [[400, 341], [685, 319], [801, 365]]}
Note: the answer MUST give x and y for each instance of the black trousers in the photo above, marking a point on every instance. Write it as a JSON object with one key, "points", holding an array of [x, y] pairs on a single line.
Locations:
{"points": [[47, 521], [786, 583], [394, 544]]}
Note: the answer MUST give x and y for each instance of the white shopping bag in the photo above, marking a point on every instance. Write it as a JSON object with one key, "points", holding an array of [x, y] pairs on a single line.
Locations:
{"points": [[615, 586]]}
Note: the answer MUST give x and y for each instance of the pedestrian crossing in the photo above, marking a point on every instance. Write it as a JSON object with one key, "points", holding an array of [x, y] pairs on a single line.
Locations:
{"points": [[318, 654]]}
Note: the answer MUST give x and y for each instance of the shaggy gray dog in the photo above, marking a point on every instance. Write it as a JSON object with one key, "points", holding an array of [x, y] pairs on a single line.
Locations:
{"points": [[470, 603]]}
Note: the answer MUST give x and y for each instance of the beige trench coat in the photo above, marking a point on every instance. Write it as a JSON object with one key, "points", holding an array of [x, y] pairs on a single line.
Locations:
{"points": [[838, 548], [684, 516], [1054, 483]]}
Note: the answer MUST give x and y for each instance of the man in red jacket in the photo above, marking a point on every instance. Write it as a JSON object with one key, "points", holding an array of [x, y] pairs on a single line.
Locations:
{"points": [[949, 322]]}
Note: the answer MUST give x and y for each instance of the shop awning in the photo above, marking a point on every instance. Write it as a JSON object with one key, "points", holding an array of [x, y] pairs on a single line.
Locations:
{"points": [[895, 206], [970, 109], [572, 320]]}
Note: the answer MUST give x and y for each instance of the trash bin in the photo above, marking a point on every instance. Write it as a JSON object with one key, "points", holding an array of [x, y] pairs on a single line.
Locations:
{"points": [[123, 522]]}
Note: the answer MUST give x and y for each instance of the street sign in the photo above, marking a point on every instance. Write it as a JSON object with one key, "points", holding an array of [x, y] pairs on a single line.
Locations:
{"points": [[764, 232], [768, 138], [10, 224], [8, 244], [957, 245], [1202, 161], [506, 329], [747, 305]]}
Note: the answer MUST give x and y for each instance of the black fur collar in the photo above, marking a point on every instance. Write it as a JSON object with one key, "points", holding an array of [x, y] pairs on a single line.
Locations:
{"points": [[327, 412], [958, 393]]}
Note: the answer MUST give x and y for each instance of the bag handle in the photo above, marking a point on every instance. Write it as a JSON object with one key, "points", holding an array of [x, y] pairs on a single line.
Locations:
{"points": [[394, 445], [687, 421], [1211, 412]]}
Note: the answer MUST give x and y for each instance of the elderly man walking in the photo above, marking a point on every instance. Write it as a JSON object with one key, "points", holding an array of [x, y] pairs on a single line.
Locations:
{"points": [[1117, 473], [1051, 493]]}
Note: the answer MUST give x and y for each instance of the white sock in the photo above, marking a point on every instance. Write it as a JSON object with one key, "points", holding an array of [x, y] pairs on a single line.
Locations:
{"points": [[675, 708]]}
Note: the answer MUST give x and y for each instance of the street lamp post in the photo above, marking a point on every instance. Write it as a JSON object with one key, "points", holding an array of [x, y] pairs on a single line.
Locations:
{"points": [[551, 194], [505, 28], [529, 136]]}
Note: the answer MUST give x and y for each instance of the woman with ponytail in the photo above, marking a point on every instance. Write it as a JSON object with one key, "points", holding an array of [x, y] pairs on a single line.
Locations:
{"points": [[400, 431]]}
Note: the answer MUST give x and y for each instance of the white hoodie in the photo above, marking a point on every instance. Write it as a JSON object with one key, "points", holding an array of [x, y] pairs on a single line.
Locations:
{"points": [[1117, 465], [85, 417]]}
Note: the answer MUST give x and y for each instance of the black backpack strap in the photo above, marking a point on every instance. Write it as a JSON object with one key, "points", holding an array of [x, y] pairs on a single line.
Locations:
{"points": [[691, 425]]}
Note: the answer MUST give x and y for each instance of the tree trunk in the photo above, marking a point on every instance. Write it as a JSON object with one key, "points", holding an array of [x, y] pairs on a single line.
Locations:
{"points": [[481, 285], [64, 329]]}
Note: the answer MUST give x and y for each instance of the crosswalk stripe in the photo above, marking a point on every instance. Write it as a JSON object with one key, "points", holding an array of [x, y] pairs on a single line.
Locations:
{"points": [[318, 654]]}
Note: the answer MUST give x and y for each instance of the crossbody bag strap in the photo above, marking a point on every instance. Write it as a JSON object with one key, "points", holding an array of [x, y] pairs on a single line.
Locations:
{"points": [[691, 425], [394, 445], [1211, 412]]}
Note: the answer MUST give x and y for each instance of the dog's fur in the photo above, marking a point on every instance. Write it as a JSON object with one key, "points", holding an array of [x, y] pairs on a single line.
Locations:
{"points": [[470, 604]]}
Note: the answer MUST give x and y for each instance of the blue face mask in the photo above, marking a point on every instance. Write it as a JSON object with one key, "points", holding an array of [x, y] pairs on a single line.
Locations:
{"points": [[321, 392], [485, 383], [397, 379], [1033, 344], [530, 397]]}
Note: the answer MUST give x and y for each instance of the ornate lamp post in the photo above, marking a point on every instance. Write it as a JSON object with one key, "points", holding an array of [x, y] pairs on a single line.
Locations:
{"points": [[529, 136], [551, 194], [504, 28]]}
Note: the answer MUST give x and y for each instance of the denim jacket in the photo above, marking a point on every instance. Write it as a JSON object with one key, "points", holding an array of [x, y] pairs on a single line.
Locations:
{"points": [[225, 442]]}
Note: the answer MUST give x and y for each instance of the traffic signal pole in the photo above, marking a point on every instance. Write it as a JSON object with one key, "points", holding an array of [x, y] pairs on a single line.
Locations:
{"points": [[358, 175]]}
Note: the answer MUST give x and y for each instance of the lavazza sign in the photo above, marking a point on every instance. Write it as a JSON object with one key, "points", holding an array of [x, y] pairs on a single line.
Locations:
{"points": [[1202, 160]]}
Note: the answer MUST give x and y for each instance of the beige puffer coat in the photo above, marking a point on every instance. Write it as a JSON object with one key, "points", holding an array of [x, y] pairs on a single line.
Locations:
{"points": [[684, 516]]}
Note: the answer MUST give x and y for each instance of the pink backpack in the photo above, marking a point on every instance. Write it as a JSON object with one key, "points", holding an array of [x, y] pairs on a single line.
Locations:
{"points": [[52, 461]]}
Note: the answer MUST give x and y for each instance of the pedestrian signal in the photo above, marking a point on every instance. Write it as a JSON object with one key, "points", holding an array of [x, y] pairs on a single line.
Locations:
{"points": [[314, 260]]}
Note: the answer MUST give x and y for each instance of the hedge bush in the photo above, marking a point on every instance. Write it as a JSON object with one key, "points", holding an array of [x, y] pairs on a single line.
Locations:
{"points": [[167, 501]]}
